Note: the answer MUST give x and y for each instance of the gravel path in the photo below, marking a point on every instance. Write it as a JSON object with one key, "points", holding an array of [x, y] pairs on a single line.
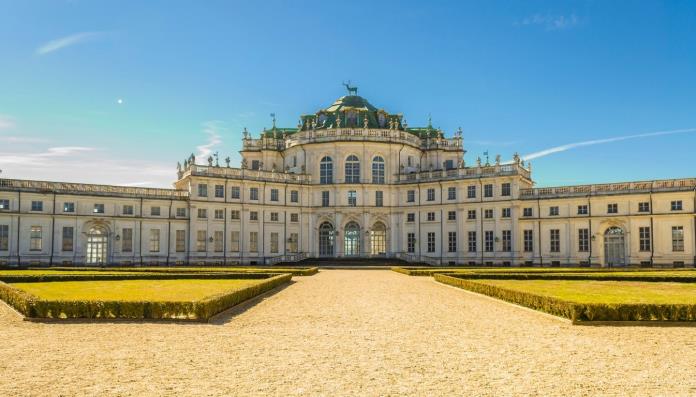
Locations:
{"points": [[349, 332]]}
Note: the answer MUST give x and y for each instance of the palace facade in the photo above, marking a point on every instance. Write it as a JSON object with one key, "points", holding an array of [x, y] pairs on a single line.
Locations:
{"points": [[350, 180]]}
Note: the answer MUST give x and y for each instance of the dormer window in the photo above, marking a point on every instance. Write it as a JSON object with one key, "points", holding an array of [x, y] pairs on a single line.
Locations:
{"points": [[382, 120], [322, 118]]}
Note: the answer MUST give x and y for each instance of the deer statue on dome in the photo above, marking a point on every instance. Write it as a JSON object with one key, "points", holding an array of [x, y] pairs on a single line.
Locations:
{"points": [[352, 91]]}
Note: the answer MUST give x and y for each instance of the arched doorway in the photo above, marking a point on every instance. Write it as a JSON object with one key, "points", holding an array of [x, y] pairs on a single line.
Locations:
{"points": [[378, 239], [326, 239], [351, 242], [614, 247], [97, 246]]}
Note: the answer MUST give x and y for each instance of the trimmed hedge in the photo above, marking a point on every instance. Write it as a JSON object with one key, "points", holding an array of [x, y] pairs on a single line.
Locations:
{"points": [[33, 307], [577, 312], [598, 276], [304, 271], [25, 278]]}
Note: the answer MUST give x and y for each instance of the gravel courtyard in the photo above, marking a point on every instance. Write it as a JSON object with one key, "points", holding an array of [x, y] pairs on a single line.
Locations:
{"points": [[349, 332]]}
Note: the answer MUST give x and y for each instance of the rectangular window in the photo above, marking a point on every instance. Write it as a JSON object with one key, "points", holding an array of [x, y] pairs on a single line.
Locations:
{"points": [[582, 210], [472, 242], [293, 240], [553, 211], [677, 238], [555, 240], [431, 216], [507, 240], [411, 242], [155, 211], [325, 198], [274, 194], [379, 198], [488, 240], [5, 205], [235, 214], [68, 207], [202, 213], [451, 215], [68, 238], [220, 191], [35, 239], [154, 240], [219, 214], [644, 238], [431, 194], [644, 207], [612, 208], [180, 241], [452, 242], [505, 213], [274, 243], [234, 241], [294, 217], [294, 196], [201, 235], [274, 217], [98, 208], [37, 205], [254, 242], [471, 214], [431, 242], [411, 196], [583, 240], [127, 210], [488, 190], [181, 212], [675, 205], [253, 215], [471, 191], [527, 211], [505, 189], [451, 193], [235, 192], [528, 240], [202, 190], [253, 193], [127, 240], [410, 217], [255, 164], [218, 240], [488, 214], [4, 237], [352, 198]]}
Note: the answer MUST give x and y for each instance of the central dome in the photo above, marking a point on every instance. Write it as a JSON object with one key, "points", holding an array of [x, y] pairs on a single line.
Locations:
{"points": [[351, 102]]}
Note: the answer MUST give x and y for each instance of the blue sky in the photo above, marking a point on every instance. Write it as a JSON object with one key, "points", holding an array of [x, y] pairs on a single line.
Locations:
{"points": [[516, 76]]}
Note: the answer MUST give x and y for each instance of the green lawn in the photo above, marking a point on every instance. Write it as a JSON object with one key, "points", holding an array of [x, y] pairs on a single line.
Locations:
{"points": [[605, 292], [38, 272], [134, 290]]}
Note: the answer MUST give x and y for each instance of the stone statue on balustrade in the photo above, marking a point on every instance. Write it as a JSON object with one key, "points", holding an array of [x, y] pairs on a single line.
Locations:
{"points": [[210, 161]]}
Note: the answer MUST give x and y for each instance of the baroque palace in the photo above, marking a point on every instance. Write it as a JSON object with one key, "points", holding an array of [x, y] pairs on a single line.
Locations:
{"points": [[351, 180]]}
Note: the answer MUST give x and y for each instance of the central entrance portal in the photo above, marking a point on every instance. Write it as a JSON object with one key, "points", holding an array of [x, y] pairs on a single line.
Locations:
{"points": [[351, 246], [614, 247], [97, 245]]}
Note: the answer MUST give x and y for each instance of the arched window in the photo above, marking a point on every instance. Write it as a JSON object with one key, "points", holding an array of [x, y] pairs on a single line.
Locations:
{"points": [[352, 169], [378, 170], [96, 246], [326, 170], [378, 239], [351, 241], [326, 239]]}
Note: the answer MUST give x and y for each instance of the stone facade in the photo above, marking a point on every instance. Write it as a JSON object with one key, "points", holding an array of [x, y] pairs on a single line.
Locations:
{"points": [[350, 181]]}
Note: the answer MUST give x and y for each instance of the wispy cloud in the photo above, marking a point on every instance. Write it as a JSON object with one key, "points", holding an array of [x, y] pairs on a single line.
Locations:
{"points": [[213, 130], [6, 122], [67, 41], [551, 22], [569, 146]]}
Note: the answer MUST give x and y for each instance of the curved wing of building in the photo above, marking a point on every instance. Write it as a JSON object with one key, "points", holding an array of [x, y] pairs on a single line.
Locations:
{"points": [[350, 181]]}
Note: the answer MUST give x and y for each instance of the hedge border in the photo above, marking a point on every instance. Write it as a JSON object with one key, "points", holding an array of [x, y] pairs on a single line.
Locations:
{"points": [[599, 276], [305, 271], [34, 308], [578, 313], [42, 278]]}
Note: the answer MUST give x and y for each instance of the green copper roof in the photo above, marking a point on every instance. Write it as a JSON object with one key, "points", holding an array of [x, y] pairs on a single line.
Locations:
{"points": [[351, 102]]}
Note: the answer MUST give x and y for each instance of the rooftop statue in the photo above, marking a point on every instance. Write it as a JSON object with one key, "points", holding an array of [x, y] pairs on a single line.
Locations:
{"points": [[352, 91]]}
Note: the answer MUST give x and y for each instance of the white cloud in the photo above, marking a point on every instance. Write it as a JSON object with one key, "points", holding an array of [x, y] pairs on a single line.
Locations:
{"points": [[67, 41], [551, 22], [6, 122], [569, 146], [212, 129]]}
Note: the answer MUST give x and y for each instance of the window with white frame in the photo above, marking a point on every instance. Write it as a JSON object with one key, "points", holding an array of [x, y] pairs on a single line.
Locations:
{"points": [[352, 169], [452, 242], [378, 170], [35, 238], [431, 241], [677, 238], [202, 190], [201, 243], [220, 191]]}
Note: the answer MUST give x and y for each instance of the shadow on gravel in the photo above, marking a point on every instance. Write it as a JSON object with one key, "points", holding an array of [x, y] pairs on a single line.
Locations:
{"points": [[229, 314]]}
